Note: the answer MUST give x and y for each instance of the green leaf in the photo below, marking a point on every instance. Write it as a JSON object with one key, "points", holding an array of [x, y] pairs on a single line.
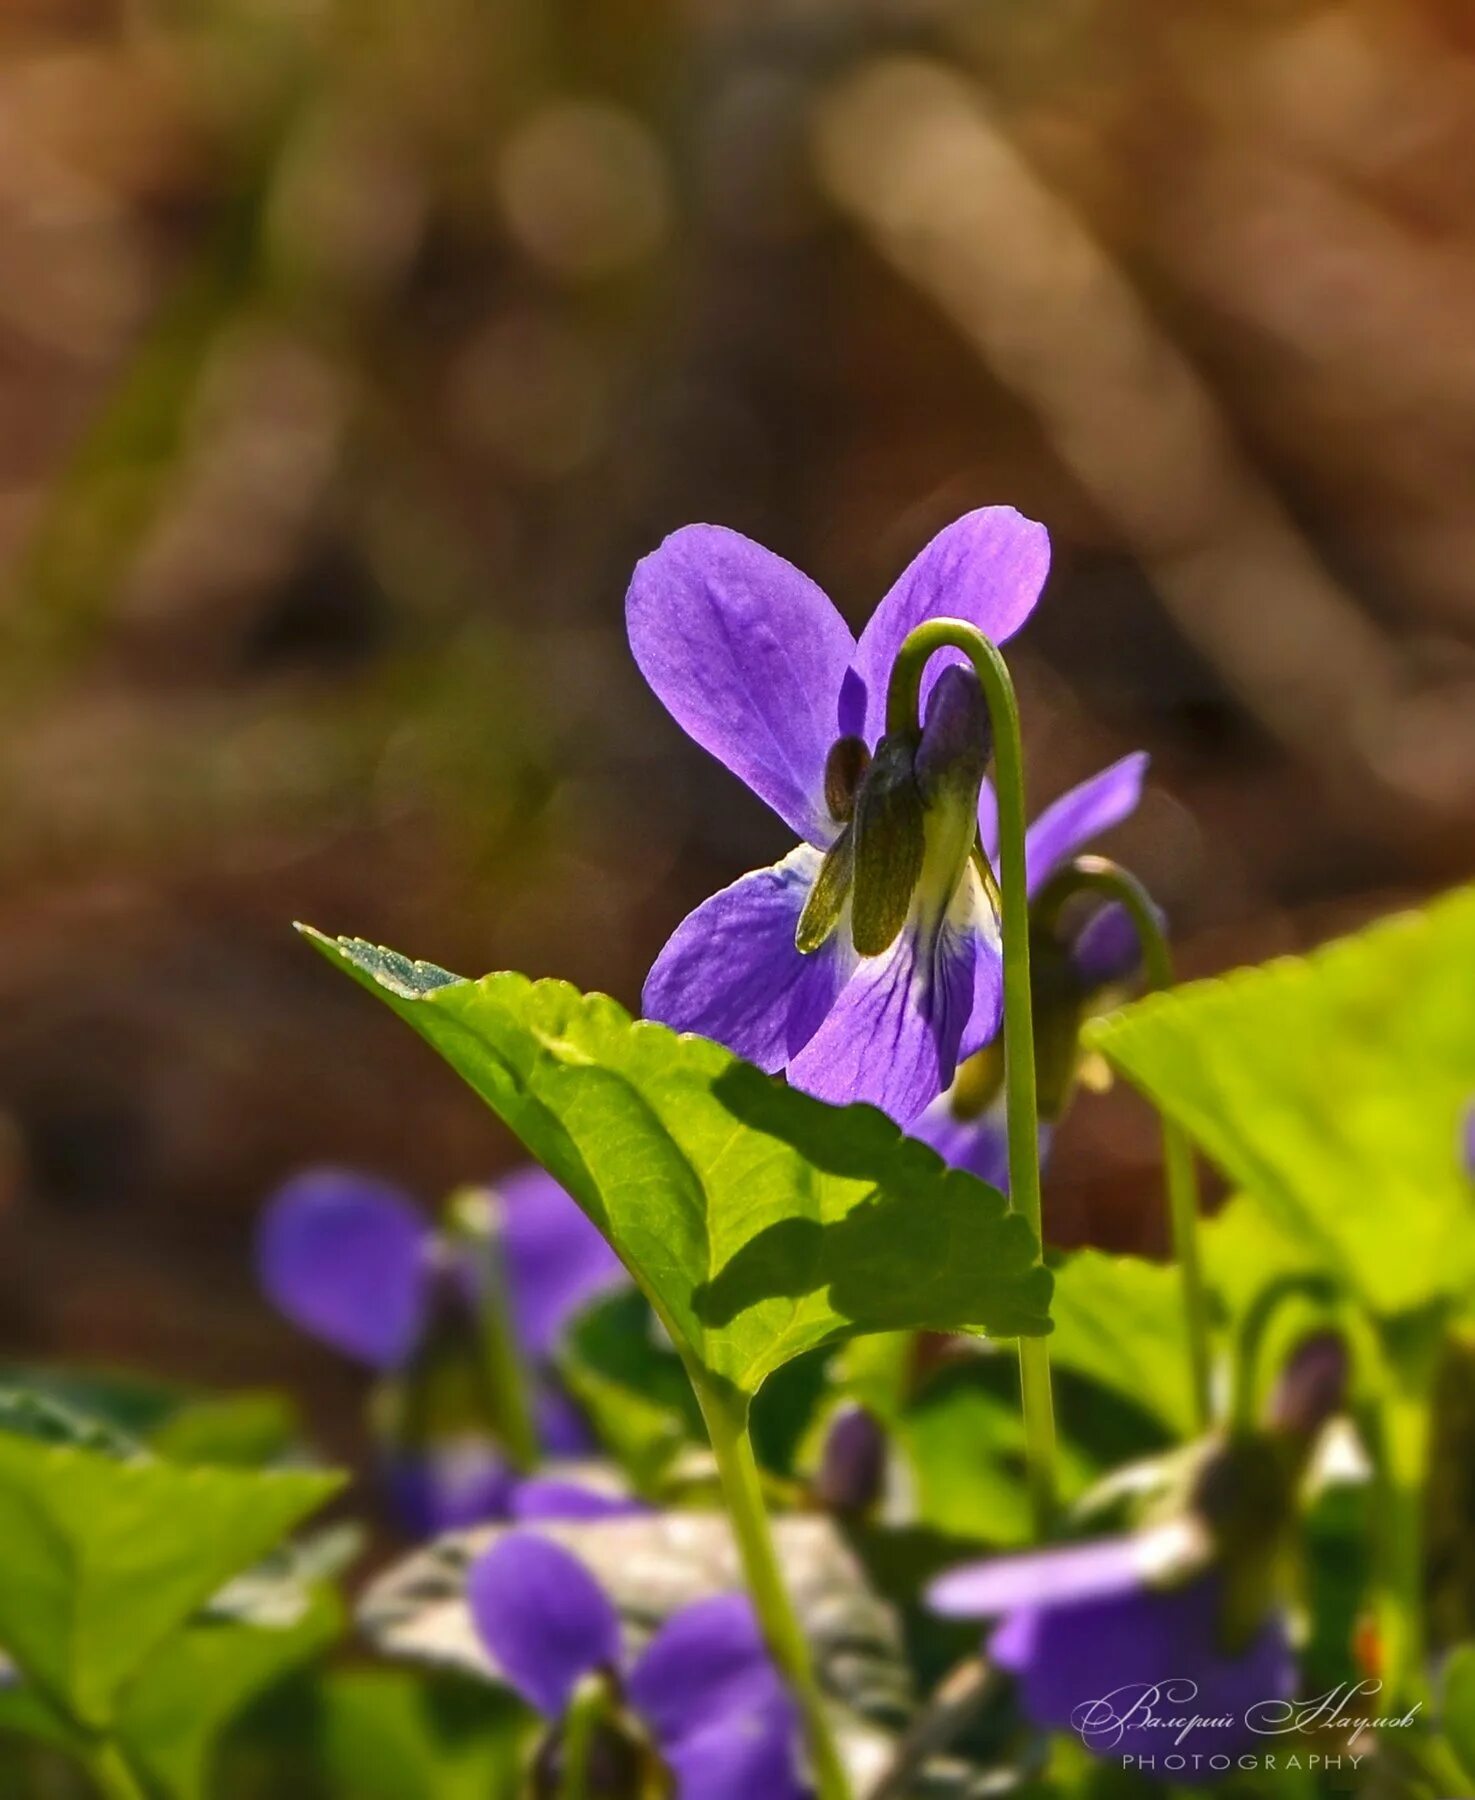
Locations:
{"points": [[1332, 1086], [105, 1559], [1119, 1321], [175, 1711], [760, 1222], [1459, 1706]]}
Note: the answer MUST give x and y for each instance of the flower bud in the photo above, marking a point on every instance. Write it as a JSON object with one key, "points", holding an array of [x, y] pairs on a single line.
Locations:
{"points": [[852, 1470]]}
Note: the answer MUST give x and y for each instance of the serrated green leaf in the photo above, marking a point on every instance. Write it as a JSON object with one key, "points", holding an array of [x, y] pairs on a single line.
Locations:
{"points": [[1119, 1321], [760, 1222], [1332, 1087], [104, 1559]]}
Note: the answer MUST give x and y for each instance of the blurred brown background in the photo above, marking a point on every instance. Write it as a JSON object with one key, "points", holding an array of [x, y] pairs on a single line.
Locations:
{"points": [[351, 353]]}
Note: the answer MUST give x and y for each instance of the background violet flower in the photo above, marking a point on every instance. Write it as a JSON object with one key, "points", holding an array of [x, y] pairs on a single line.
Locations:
{"points": [[704, 1688], [758, 667], [1089, 1630], [355, 1262]]}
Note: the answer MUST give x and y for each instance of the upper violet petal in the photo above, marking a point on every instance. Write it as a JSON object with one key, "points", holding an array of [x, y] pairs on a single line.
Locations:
{"points": [[346, 1257], [1066, 826], [549, 1497], [748, 657], [893, 1036], [555, 1260], [706, 1663], [986, 568], [1043, 1578], [745, 1757], [732, 971], [543, 1616]]}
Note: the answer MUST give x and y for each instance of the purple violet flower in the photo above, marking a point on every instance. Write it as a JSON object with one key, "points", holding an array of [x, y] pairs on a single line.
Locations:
{"points": [[866, 964], [1096, 1642], [356, 1263], [704, 1689], [967, 1125]]}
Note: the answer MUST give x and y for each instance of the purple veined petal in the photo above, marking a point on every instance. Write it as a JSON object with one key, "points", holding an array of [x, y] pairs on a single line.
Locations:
{"points": [[543, 1617], [741, 1758], [549, 1497], [979, 1144], [706, 1664], [988, 822], [731, 971], [892, 1038], [447, 1486], [747, 655], [346, 1257], [1043, 1579], [986, 568], [1082, 1667], [972, 915], [1068, 824], [554, 1259]]}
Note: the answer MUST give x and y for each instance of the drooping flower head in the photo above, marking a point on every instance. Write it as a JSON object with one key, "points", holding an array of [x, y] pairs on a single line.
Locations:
{"points": [[967, 1125], [1185, 1617], [703, 1697], [354, 1261], [866, 964]]}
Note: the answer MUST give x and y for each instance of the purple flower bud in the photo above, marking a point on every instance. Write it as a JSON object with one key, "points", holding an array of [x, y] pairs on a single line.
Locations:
{"points": [[1313, 1385], [852, 1470]]}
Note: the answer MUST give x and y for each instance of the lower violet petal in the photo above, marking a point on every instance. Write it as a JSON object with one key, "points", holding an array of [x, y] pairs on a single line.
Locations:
{"points": [[707, 1663], [543, 1617], [1085, 1667], [744, 1758], [893, 1036], [732, 971]]}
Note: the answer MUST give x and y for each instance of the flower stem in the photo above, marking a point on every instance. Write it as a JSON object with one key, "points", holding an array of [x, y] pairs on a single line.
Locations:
{"points": [[727, 1427], [1098, 875], [902, 715], [471, 1216], [111, 1774]]}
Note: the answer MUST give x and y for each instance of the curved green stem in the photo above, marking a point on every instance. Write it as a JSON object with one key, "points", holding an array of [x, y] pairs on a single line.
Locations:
{"points": [[902, 709], [470, 1216], [111, 1774], [727, 1427], [1098, 875]]}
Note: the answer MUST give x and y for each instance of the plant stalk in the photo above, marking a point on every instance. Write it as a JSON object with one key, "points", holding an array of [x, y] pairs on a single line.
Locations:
{"points": [[111, 1774], [727, 1427], [1099, 875], [903, 705]]}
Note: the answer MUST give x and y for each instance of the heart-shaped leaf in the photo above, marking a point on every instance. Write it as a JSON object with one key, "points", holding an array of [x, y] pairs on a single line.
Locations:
{"points": [[105, 1558], [1332, 1086], [760, 1222]]}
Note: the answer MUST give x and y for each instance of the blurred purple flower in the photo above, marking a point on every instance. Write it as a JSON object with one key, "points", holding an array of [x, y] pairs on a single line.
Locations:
{"points": [[900, 976], [355, 1262], [1095, 1642], [704, 1688], [968, 1127]]}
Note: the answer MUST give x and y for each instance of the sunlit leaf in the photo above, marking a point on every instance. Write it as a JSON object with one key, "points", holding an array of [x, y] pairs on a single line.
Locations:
{"points": [[1459, 1706], [1119, 1320], [104, 1558], [760, 1222], [1332, 1087]]}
